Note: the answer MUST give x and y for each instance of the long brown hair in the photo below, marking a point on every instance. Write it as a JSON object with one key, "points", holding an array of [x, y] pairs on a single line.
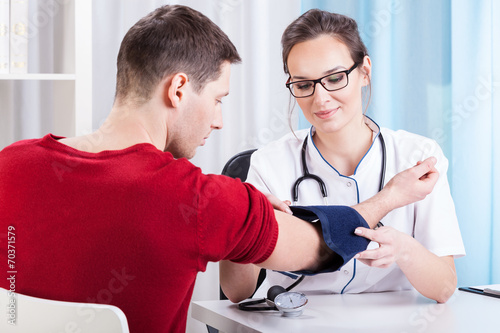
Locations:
{"points": [[315, 23]]}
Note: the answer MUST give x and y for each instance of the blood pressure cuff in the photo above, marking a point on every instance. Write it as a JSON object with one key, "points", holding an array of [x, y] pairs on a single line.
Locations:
{"points": [[338, 224]]}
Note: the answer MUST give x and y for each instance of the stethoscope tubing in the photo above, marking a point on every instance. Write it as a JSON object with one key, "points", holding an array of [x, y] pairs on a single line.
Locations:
{"points": [[307, 175], [249, 305]]}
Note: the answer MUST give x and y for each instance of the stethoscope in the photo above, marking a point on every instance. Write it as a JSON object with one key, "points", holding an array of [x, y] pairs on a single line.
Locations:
{"points": [[321, 183], [275, 291], [269, 299]]}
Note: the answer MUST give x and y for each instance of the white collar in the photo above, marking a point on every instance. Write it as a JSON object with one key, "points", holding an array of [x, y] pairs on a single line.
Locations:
{"points": [[369, 122]]}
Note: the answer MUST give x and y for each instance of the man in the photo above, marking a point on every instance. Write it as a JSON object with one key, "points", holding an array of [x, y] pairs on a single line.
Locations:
{"points": [[120, 217]]}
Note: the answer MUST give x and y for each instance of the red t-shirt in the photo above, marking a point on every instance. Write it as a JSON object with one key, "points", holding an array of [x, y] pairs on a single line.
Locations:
{"points": [[130, 228]]}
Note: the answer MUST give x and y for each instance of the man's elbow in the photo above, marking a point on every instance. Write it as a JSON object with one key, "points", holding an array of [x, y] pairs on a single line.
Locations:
{"points": [[237, 294], [236, 297]]}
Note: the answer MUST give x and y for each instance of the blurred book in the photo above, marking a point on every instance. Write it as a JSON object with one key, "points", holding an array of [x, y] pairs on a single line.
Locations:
{"points": [[18, 36], [492, 290], [4, 36]]}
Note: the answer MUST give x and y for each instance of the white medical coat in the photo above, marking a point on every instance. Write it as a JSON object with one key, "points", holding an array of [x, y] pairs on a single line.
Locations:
{"points": [[432, 221]]}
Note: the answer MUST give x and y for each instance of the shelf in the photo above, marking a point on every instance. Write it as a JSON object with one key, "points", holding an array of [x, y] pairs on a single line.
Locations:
{"points": [[56, 77], [60, 83]]}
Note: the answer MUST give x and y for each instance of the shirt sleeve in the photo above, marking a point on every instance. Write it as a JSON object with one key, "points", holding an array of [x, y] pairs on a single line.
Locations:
{"points": [[236, 222], [436, 225]]}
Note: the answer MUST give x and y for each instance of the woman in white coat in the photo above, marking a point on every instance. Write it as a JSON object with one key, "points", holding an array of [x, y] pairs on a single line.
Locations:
{"points": [[329, 67]]}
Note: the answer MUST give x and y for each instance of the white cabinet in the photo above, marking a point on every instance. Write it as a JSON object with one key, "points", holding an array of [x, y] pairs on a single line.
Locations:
{"points": [[67, 110]]}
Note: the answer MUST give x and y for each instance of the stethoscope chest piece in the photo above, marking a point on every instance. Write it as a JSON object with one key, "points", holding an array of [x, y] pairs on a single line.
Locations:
{"points": [[290, 303]]}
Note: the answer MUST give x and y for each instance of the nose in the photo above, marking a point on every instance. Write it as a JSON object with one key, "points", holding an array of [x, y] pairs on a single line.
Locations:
{"points": [[217, 123], [321, 95]]}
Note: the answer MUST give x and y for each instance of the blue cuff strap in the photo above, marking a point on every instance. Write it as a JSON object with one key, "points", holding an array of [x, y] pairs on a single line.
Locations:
{"points": [[338, 224]]}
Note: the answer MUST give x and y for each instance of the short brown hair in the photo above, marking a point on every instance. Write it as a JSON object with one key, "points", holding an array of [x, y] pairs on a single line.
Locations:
{"points": [[169, 40]]}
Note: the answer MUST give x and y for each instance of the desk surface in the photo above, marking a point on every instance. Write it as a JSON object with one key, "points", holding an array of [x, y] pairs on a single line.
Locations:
{"points": [[402, 311]]}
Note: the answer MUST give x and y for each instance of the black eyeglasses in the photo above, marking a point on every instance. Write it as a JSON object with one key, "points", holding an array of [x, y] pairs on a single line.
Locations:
{"points": [[331, 82]]}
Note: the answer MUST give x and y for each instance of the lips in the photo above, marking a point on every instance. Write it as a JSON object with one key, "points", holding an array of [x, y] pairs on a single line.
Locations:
{"points": [[203, 141], [325, 114]]}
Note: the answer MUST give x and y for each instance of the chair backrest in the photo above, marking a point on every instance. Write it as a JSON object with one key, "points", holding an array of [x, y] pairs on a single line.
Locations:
{"points": [[23, 314], [237, 166]]}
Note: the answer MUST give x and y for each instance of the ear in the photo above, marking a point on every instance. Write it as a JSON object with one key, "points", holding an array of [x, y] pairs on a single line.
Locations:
{"points": [[174, 89], [366, 70]]}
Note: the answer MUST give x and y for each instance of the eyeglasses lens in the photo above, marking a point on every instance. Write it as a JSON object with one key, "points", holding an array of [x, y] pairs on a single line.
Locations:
{"points": [[335, 81], [332, 82]]}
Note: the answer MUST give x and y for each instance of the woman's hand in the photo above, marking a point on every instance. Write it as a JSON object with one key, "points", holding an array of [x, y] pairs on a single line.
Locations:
{"points": [[278, 204], [406, 187], [413, 184], [434, 277], [392, 246]]}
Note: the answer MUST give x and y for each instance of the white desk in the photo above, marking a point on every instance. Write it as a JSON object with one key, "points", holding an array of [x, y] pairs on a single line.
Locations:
{"points": [[402, 312]]}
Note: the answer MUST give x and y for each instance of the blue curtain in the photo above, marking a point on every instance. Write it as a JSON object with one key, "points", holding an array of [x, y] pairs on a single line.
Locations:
{"points": [[436, 72]]}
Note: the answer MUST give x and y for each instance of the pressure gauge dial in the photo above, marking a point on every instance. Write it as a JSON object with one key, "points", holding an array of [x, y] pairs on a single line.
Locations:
{"points": [[290, 303]]}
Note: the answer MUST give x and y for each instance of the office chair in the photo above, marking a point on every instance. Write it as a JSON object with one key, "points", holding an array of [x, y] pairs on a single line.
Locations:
{"points": [[237, 167], [40, 315]]}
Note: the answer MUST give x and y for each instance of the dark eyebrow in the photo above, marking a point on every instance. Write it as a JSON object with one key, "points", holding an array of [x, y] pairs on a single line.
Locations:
{"points": [[333, 70]]}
